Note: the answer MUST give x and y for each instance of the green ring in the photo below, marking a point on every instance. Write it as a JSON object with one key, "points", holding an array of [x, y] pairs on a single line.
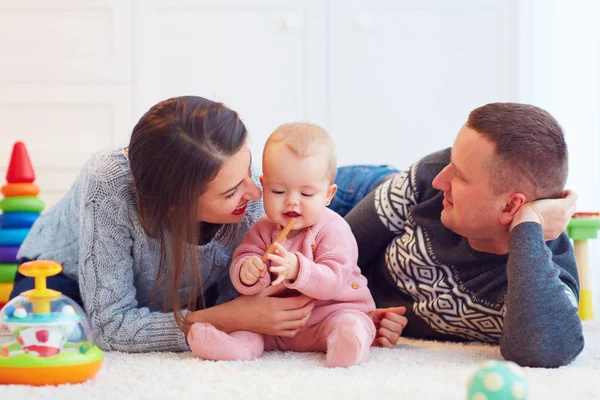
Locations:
{"points": [[29, 204], [8, 272]]}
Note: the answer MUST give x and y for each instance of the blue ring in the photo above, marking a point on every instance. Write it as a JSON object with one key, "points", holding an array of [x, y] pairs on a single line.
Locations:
{"points": [[18, 219], [13, 237], [8, 254]]}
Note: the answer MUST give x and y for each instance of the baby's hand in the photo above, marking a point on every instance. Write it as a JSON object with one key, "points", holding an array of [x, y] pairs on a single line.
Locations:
{"points": [[284, 264], [252, 270]]}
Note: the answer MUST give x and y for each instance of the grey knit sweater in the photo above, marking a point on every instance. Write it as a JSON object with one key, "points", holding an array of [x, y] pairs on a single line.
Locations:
{"points": [[95, 233]]}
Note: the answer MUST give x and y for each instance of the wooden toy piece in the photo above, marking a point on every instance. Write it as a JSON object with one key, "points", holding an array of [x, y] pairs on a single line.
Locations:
{"points": [[279, 239], [581, 228], [20, 169], [498, 380]]}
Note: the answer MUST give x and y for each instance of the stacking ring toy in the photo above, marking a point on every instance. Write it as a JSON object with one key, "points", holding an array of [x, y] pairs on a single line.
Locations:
{"points": [[8, 272], [12, 237], [52, 342], [29, 204], [8, 254], [20, 190], [13, 219]]}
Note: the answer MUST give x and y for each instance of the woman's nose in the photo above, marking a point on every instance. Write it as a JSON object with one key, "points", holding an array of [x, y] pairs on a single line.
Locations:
{"points": [[253, 192]]}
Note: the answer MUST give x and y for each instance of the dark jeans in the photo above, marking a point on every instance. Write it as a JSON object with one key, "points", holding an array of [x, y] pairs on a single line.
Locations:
{"points": [[354, 182]]}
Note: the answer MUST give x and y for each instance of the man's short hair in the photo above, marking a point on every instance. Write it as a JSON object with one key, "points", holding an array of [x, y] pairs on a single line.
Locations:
{"points": [[306, 139], [531, 152]]}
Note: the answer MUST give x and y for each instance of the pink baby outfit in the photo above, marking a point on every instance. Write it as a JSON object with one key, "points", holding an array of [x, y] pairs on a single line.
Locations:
{"points": [[328, 272]]}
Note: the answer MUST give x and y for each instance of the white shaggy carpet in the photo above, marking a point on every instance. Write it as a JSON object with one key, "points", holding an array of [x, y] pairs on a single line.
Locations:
{"points": [[414, 370]]}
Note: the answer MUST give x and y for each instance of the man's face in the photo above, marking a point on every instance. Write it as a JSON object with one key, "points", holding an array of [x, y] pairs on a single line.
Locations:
{"points": [[471, 208]]}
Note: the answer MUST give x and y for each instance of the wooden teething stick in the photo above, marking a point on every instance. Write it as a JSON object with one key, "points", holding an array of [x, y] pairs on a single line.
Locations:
{"points": [[279, 239]]}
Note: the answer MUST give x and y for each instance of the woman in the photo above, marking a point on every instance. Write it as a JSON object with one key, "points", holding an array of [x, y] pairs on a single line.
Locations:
{"points": [[146, 234]]}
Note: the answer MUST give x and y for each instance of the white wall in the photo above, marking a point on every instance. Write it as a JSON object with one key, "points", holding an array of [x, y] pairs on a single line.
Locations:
{"points": [[560, 72]]}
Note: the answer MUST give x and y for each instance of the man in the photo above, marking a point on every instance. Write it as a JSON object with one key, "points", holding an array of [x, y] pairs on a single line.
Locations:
{"points": [[468, 240]]}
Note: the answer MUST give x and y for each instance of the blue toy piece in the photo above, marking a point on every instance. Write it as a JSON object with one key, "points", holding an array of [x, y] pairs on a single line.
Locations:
{"points": [[13, 237], [11, 220], [497, 380], [8, 254]]}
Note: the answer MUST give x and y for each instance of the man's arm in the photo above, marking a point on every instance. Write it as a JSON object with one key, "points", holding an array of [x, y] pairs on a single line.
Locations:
{"points": [[541, 325]]}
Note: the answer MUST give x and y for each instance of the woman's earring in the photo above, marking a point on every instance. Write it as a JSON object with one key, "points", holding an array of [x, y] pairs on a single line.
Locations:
{"points": [[327, 202]]}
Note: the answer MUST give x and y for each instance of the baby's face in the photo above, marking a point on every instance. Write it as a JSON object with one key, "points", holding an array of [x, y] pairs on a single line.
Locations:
{"points": [[295, 187]]}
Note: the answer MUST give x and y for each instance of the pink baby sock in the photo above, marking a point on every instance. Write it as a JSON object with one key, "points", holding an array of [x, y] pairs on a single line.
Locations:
{"points": [[209, 343], [350, 340]]}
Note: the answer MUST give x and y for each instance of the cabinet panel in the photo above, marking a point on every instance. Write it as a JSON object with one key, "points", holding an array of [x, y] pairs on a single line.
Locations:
{"points": [[62, 128], [403, 75], [66, 41], [261, 59]]}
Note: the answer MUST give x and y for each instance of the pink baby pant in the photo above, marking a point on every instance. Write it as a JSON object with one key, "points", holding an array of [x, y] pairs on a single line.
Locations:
{"points": [[345, 336]]}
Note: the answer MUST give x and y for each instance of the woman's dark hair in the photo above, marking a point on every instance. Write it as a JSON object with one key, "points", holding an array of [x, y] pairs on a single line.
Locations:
{"points": [[175, 150]]}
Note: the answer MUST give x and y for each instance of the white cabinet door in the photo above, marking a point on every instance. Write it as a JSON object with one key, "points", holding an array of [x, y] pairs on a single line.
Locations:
{"points": [[65, 41], [403, 75], [62, 128], [264, 59]]}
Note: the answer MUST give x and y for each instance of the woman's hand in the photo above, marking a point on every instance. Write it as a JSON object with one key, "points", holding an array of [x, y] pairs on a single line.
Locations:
{"points": [[260, 313], [389, 323]]}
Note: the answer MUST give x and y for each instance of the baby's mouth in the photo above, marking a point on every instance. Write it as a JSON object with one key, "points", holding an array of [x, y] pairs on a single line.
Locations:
{"points": [[291, 214]]}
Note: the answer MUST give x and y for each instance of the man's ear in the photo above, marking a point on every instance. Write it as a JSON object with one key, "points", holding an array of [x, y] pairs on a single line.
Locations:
{"points": [[331, 192], [514, 201]]}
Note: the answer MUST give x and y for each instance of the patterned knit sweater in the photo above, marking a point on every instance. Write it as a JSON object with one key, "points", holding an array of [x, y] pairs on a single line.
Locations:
{"points": [[95, 233], [328, 270], [526, 300]]}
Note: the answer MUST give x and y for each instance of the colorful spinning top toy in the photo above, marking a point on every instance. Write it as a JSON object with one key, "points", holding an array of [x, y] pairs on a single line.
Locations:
{"points": [[51, 335]]}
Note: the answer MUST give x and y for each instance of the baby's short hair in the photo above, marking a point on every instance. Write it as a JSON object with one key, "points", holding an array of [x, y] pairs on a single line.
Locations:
{"points": [[306, 139]]}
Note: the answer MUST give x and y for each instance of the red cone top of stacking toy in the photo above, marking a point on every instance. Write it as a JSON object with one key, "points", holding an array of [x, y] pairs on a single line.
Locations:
{"points": [[20, 169]]}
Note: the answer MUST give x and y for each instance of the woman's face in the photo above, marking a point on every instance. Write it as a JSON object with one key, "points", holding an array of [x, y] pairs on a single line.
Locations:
{"points": [[227, 196]]}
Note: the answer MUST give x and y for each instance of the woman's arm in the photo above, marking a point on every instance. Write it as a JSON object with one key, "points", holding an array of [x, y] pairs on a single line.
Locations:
{"points": [[107, 287], [261, 313]]}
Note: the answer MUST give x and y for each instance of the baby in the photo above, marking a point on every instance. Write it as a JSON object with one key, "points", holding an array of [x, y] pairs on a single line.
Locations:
{"points": [[317, 258]]}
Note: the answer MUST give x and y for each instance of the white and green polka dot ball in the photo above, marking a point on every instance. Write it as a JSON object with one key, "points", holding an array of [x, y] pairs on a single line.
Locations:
{"points": [[497, 380]]}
